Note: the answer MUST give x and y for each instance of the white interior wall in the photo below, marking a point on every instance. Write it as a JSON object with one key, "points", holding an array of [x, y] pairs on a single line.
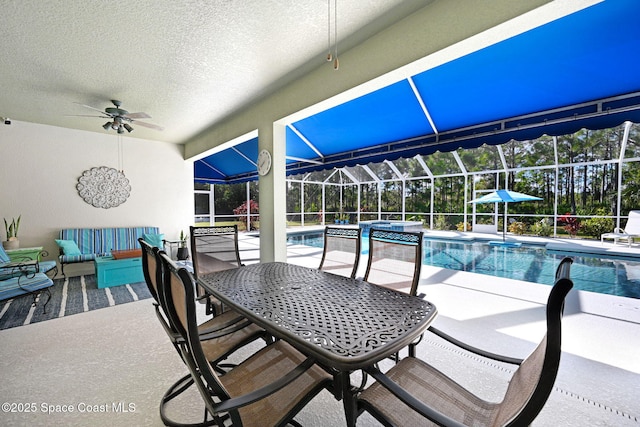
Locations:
{"points": [[39, 170]]}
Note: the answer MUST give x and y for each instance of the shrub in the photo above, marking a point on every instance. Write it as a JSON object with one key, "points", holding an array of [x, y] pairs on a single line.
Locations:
{"points": [[460, 226], [571, 224], [596, 226], [542, 228], [241, 211], [518, 227], [440, 223]]}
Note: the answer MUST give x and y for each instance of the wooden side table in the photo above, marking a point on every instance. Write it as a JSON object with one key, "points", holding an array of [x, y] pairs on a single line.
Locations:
{"points": [[23, 254]]}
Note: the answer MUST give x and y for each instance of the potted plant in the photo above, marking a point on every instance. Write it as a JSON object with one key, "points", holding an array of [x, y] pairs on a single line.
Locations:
{"points": [[11, 229], [183, 253]]}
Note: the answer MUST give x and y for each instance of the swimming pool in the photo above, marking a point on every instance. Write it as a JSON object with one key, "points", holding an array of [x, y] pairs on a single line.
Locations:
{"points": [[613, 276]]}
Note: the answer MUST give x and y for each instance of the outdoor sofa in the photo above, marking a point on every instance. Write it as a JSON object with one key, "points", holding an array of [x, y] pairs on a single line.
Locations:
{"points": [[85, 244]]}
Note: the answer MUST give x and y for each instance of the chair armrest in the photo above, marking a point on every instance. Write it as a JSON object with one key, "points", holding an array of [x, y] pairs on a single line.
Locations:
{"points": [[222, 331], [619, 230], [475, 350], [261, 393], [21, 267], [174, 336], [402, 394]]}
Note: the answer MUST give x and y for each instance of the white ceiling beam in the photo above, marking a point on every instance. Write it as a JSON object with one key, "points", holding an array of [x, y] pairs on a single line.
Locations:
{"points": [[243, 156], [350, 175], [212, 168], [371, 173], [395, 169], [424, 166], [458, 160], [305, 140], [300, 159], [422, 105]]}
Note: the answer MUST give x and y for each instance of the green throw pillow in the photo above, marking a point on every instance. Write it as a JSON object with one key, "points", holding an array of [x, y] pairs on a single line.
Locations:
{"points": [[154, 239], [69, 247]]}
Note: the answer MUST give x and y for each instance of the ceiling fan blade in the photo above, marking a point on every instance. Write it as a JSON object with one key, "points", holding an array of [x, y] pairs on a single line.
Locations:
{"points": [[90, 107], [147, 125], [86, 115], [137, 116]]}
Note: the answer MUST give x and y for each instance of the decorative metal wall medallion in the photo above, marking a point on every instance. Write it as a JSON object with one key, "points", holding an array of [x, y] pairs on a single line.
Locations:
{"points": [[103, 187]]}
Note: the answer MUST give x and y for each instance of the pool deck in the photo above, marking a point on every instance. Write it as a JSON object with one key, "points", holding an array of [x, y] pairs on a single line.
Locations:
{"points": [[599, 378], [98, 357]]}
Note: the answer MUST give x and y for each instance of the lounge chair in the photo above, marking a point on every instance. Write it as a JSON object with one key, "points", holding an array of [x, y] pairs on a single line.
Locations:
{"points": [[628, 233]]}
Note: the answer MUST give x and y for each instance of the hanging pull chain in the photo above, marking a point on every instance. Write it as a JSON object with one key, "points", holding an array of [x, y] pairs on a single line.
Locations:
{"points": [[329, 56], [336, 63]]}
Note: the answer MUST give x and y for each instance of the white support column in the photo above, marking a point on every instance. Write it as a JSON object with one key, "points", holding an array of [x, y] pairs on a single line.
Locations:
{"points": [[212, 204], [302, 202], [473, 207], [402, 179], [432, 178], [433, 183], [503, 159], [555, 196], [465, 174], [273, 195], [379, 187], [359, 203], [248, 202], [623, 147], [324, 206]]}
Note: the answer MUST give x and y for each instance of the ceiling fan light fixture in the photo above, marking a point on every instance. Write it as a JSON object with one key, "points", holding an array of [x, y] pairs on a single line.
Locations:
{"points": [[120, 119]]}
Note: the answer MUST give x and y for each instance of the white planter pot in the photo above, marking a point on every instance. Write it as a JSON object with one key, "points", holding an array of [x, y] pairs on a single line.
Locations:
{"points": [[12, 243]]}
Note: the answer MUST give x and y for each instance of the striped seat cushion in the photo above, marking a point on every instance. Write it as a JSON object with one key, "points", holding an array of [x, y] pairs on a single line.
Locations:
{"points": [[23, 284]]}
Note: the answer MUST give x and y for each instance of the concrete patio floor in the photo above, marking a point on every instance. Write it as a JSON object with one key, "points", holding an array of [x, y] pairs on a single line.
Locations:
{"points": [[600, 367], [121, 354]]}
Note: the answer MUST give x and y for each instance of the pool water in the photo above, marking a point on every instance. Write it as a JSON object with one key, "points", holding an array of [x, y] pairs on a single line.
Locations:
{"points": [[614, 276]]}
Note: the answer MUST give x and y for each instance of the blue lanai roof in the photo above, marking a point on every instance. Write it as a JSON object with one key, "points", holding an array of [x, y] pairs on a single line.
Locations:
{"points": [[580, 71]]}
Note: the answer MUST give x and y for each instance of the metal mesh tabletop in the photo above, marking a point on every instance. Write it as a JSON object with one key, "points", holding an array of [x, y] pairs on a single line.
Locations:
{"points": [[343, 322]]}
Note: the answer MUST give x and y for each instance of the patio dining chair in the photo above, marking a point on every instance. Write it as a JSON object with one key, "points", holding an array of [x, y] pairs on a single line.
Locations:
{"points": [[224, 334], [416, 393], [213, 249], [153, 275], [395, 259], [395, 262], [341, 252], [267, 389]]}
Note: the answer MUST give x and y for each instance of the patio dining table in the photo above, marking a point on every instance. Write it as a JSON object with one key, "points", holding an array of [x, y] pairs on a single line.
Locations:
{"points": [[344, 324]]}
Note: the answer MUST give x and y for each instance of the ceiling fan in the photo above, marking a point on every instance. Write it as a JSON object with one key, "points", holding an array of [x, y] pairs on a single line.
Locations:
{"points": [[120, 119]]}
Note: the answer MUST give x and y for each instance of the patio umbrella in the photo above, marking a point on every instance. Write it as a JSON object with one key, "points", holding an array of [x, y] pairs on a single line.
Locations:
{"points": [[506, 197]]}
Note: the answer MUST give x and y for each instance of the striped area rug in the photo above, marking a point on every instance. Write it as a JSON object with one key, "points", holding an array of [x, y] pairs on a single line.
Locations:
{"points": [[68, 296]]}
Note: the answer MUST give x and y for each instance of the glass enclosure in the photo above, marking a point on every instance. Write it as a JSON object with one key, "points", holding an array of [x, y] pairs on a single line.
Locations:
{"points": [[593, 175]]}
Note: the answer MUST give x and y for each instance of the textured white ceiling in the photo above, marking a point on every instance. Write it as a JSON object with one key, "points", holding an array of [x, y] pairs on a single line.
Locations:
{"points": [[186, 63]]}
